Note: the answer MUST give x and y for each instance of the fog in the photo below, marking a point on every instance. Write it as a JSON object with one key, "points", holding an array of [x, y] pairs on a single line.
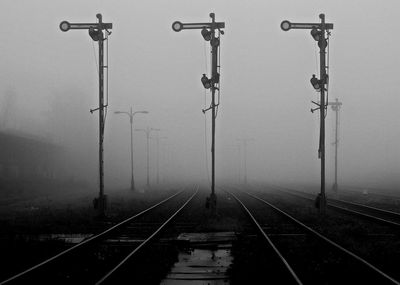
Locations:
{"points": [[49, 83]]}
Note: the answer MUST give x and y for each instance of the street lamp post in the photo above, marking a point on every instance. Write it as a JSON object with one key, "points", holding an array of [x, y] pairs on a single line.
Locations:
{"points": [[244, 142], [157, 138], [131, 114], [96, 32], [320, 33], [208, 31], [165, 161], [336, 107], [240, 163], [147, 131]]}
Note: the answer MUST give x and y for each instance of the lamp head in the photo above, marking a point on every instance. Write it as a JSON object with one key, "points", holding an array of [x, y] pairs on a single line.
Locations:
{"points": [[206, 82], [316, 34], [286, 26], [65, 26], [177, 26], [315, 82], [95, 34], [214, 42], [206, 34]]}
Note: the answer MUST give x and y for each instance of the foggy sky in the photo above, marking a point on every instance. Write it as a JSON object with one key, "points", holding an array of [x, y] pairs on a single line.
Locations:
{"points": [[49, 83]]}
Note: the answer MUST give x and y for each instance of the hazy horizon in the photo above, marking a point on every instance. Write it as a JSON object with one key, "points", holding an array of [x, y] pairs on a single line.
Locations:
{"points": [[49, 84]]}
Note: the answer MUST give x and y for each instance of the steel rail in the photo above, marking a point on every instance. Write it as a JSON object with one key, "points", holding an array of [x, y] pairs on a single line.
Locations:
{"points": [[378, 210], [278, 253], [347, 210], [119, 265], [334, 244], [371, 192], [87, 241]]}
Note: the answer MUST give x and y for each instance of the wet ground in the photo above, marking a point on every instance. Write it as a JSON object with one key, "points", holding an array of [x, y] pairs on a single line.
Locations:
{"points": [[204, 258]]}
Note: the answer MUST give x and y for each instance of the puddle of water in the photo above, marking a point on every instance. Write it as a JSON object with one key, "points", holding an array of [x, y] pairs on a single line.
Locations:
{"points": [[70, 238], [67, 238], [205, 259]]}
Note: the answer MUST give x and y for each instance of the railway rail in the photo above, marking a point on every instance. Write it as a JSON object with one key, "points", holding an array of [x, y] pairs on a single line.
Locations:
{"points": [[381, 216], [289, 269], [374, 273], [370, 192], [97, 258]]}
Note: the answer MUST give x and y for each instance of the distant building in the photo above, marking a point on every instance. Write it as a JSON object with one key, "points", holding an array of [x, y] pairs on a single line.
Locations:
{"points": [[24, 156]]}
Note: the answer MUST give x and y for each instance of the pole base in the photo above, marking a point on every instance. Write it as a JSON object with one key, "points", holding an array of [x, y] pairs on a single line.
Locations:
{"points": [[320, 203], [335, 187], [100, 204], [211, 203]]}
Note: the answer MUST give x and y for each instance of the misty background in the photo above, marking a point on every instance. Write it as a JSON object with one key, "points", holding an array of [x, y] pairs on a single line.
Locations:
{"points": [[49, 83]]}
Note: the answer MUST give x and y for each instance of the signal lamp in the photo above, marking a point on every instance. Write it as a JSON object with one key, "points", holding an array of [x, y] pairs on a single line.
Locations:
{"points": [[65, 26], [206, 34], [94, 34], [286, 25], [215, 42], [315, 82], [216, 78], [177, 26], [206, 82], [322, 43], [316, 34]]}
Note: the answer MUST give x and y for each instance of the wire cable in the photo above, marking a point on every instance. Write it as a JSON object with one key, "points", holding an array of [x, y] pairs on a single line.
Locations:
{"points": [[219, 72], [316, 61], [205, 118], [95, 57], [327, 76], [339, 121], [107, 80]]}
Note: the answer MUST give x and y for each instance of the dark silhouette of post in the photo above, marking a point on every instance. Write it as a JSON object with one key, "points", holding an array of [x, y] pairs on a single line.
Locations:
{"points": [[157, 138], [131, 114], [240, 163], [336, 107], [147, 132], [131, 129], [97, 34], [208, 31], [322, 72], [319, 32], [244, 142]]}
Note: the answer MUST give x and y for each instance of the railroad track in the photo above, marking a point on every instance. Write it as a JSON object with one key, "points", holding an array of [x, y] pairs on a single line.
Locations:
{"points": [[370, 192], [99, 258], [296, 243], [381, 216]]}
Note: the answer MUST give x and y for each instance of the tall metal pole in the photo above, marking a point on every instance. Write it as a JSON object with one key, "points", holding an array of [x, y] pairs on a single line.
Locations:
{"points": [[132, 177], [158, 138], [208, 32], [102, 199], [322, 58], [148, 156], [148, 131], [336, 107], [158, 159], [335, 185], [244, 141], [96, 33], [214, 74], [240, 164], [245, 162], [131, 114], [318, 32]]}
